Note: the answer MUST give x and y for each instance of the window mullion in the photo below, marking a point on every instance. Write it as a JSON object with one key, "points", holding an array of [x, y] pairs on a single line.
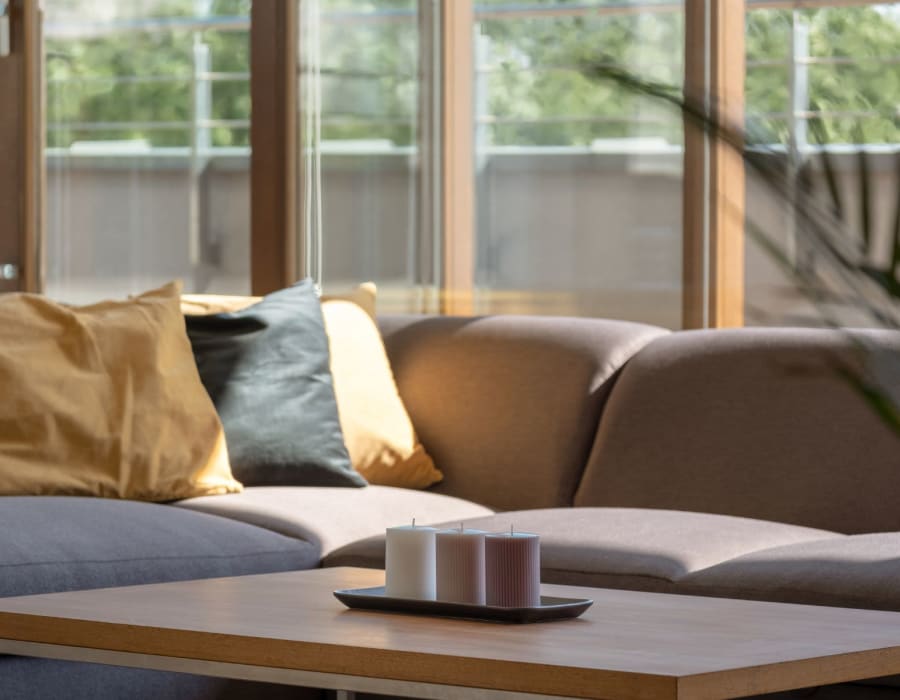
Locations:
{"points": [[457, 153], [274, 201], [714, 193]]}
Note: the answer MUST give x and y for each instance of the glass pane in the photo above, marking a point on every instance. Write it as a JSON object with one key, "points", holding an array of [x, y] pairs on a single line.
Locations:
{"points": [[823, 87], [360, 133], [148, 109], [578, 180]]}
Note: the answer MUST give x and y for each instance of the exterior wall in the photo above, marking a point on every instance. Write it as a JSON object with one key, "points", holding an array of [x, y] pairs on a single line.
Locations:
{"points": [[567, 233]]}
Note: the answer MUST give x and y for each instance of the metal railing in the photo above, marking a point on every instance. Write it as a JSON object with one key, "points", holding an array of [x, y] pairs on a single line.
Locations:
{"points": [[202, 79]]}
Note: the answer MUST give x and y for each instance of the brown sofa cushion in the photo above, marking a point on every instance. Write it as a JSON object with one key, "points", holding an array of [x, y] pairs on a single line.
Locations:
{"points": [[751, 422], [508, 406], [861, 571], [619, 547]]}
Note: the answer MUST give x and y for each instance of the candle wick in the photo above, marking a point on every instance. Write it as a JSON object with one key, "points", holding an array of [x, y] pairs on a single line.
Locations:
{"points": [[460, 527], [414, 522], [510, 529]]}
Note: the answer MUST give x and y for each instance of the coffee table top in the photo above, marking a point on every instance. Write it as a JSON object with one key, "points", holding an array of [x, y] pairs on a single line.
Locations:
{"points": [[628, 645]]}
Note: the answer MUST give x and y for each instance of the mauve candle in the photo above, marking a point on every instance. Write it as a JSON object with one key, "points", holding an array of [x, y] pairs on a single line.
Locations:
{"points": [[409, 562], [513, 569], [460, 566]]}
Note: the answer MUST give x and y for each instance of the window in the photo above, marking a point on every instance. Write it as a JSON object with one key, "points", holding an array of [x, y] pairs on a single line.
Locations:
{"points": [[578, 182], [823, 94], [461, 153], [365, 147], [147, 146]]}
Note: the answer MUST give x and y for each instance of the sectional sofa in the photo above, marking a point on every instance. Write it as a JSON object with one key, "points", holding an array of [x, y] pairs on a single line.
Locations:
{"points": [[742, 463]]}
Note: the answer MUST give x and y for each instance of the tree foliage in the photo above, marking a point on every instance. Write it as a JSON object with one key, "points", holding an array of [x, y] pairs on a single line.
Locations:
{"points": [[530, 91]]}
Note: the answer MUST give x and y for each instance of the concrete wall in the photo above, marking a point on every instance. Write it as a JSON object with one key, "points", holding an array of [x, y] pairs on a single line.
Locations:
{"points": [[566, 233]]}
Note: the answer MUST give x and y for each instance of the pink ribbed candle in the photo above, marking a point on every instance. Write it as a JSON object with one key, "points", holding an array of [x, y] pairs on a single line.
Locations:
{"points": [[460, 566], [513, 569]]}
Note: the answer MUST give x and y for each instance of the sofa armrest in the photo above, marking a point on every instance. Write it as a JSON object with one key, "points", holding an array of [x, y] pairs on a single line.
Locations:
{"points": [[508, 406]]}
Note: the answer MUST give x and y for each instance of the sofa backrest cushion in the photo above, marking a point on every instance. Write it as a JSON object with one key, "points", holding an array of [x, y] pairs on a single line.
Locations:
{"points": [[508, 406], [759, 423]]}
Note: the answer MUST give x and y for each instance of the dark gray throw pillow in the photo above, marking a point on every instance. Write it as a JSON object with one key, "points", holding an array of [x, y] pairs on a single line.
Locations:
{"points": [[266, 368]]}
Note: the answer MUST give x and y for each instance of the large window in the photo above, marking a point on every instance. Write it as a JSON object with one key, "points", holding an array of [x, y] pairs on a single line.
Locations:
{"points": [[466, 150]]}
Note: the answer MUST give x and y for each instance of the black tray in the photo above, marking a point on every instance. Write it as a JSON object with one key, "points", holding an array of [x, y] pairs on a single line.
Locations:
{"points": [[551, 608]]}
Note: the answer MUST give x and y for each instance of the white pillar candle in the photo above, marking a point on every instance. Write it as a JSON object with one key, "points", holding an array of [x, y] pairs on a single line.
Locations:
{"points": [[513, 569], [460, 566], [409, 562]]}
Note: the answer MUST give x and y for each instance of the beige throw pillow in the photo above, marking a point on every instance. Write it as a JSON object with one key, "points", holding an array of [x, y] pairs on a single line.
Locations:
{"points": [[105, 400]]}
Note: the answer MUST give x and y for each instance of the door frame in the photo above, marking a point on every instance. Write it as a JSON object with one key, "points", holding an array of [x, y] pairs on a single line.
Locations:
{"points": [[21, 153]]}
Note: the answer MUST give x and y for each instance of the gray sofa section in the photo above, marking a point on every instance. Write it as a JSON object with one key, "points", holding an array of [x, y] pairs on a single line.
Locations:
{"points": [[41, 679], [50, 544]]}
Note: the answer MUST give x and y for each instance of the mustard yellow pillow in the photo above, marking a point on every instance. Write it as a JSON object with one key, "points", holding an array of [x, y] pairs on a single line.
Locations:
{"points": [[377, 429], [105, 400]]}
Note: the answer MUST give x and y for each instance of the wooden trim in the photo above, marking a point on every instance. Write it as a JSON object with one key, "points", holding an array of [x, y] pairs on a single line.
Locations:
{"points": [[34, 179], [274, 204], [727, 167], [11, 118], [20, 148], [457, 189], [714, 191], [694, 222]]}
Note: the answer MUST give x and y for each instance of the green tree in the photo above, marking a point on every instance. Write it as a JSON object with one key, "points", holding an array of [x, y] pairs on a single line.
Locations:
{"points": [[531, 91], [135, 78]]}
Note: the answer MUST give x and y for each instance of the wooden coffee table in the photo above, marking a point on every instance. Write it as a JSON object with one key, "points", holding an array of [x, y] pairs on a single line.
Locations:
{"points": [[288, 628]]}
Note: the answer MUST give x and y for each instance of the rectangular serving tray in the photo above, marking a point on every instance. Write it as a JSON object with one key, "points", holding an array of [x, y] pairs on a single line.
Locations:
{"points": [[551, 608]]}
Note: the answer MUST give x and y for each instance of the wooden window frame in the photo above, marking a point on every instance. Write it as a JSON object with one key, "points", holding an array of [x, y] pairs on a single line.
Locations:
{"points": [[713, 186], [21, 157], [274, 202], [457, 190], [713, 190]]}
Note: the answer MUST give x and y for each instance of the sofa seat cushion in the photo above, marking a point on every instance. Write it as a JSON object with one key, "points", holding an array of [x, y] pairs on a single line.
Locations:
{"points": [[861, 571], [331, 517], [620, 547], [61, 543]]}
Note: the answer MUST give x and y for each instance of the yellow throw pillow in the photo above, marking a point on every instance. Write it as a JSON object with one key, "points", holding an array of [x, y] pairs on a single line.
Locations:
{"points": [[105, 400], [377, 429], [201, 304]]}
